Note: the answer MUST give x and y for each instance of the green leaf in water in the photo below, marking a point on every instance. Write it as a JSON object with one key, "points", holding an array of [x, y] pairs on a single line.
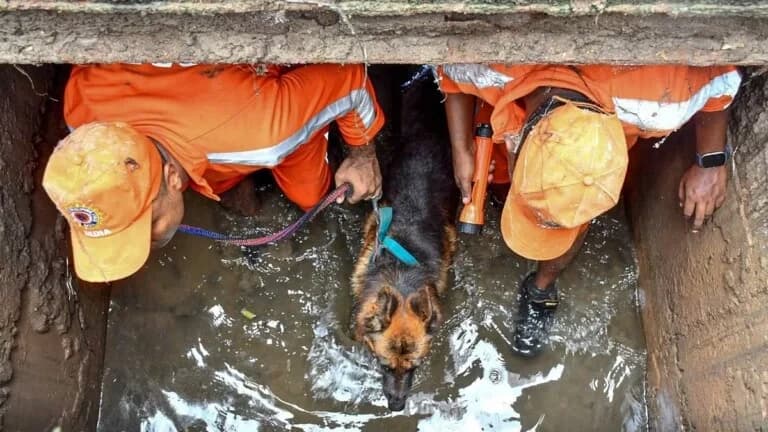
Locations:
{"points": [[248, 314]]}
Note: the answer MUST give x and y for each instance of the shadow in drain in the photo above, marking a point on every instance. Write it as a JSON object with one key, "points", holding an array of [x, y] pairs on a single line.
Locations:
{"points": [[183, 356]]}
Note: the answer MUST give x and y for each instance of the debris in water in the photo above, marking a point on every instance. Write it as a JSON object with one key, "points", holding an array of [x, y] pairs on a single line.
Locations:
{"points": [[248, 314]]}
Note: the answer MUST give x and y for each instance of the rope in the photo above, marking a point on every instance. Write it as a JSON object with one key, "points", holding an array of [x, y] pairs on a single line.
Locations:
{"points": [[423, 72], [275, 237]]}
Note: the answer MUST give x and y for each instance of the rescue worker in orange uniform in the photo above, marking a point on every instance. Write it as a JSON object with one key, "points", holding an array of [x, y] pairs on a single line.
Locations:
{"points": [[142, 134], [566, 132]]}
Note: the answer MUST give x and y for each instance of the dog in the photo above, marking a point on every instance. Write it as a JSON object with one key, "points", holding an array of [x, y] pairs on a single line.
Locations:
{"points": [[397, 305]]}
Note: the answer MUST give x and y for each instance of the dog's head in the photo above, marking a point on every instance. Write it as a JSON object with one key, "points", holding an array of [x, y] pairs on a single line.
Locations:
{"points": [[398, 329]]}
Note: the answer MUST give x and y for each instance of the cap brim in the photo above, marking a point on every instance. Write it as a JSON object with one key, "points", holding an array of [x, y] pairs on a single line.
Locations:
{"points": [[116, 256], [526, 238]]}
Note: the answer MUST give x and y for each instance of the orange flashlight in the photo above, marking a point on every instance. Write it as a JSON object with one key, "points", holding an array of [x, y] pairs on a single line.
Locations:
{"points": [[472, 216]]}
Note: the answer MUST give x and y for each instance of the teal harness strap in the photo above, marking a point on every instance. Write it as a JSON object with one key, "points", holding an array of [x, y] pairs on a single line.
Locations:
{"points": [[389, 243]]}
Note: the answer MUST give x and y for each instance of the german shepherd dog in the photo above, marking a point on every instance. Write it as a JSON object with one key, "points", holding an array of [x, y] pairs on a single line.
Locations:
{"points": [[397, 306]]}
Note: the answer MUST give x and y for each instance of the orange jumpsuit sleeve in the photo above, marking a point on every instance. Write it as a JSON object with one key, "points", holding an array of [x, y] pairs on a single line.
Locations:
{"points": [[315, 95], [724, 82]]}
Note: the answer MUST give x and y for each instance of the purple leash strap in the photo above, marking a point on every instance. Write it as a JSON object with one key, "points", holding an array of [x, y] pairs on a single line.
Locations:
{"points": [[275, 237]]}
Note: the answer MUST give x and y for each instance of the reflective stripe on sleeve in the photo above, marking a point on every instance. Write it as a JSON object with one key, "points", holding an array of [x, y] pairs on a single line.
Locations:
{"points": [[478, 75], [650, 115], [358, 100]]}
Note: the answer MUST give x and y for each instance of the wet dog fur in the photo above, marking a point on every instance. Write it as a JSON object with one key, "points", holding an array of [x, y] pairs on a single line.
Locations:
{"points": [[397, 307]]}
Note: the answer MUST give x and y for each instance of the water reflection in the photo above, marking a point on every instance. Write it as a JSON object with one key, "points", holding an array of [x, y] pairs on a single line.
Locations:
{"points": [[181, 355]]}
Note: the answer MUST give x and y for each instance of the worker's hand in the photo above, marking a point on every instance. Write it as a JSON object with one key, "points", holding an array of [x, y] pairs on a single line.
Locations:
{"points": [[464, 171], [701, 191], [361, 170]]}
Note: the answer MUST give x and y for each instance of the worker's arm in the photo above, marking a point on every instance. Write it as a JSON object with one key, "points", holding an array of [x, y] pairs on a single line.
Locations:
{"points": [[702, 190], [311, 96], [459, 109], [358, 127]]}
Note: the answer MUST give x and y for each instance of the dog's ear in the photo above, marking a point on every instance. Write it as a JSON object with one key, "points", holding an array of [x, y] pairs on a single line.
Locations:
{"points": [[424, 304], [386, 304]]}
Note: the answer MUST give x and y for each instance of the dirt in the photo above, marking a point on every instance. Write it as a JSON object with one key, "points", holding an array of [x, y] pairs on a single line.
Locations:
{"points": [[51, 330], [18, 122], [705, 307], [303, 31]]}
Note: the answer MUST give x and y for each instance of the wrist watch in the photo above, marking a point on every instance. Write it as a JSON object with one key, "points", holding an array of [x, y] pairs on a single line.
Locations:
{"points": [[714, 159]]}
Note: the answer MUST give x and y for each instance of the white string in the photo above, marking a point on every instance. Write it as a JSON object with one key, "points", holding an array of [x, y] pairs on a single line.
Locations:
{"points": [[32, 83]]}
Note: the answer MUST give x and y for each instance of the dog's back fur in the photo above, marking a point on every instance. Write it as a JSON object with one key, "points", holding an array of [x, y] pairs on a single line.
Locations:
{"points": [[397, 306]]}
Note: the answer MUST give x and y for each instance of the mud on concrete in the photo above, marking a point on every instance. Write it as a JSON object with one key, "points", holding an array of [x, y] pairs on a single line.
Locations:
{"points": [[705, 307], [51, 329], [699, 32]]}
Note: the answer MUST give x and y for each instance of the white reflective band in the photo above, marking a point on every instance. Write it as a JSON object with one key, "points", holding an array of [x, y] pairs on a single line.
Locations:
{"points": [[659, 116], [358, 100], [478, 75]]}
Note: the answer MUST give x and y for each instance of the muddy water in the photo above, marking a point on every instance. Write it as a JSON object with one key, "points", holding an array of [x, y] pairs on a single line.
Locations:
{"points": [[182, 357]]}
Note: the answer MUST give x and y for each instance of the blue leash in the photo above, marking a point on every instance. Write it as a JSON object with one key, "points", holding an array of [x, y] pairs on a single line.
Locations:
{"points": [[286, 232], [385, 241]]}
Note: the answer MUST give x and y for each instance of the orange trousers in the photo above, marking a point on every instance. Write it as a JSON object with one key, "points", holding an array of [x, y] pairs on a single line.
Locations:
{"points": [[304, 176]]}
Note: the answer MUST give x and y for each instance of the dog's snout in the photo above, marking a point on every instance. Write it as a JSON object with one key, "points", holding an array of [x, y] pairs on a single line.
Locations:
{"points": [[397, 386], [396, 403]]}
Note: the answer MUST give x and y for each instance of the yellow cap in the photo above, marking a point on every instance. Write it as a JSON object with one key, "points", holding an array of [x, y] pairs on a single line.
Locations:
{"points": [[570, 169], [103, 177]]}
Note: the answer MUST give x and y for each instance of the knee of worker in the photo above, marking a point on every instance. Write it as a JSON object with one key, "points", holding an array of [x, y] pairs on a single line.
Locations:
{"points": [[306, 195]]}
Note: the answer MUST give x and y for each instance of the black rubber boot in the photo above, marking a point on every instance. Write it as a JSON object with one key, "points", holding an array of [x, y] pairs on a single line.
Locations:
{"points": [[536, 314]]}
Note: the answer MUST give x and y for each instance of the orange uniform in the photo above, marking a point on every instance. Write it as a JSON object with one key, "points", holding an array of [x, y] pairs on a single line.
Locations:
{"points": [[222, 122], [650, 101]]}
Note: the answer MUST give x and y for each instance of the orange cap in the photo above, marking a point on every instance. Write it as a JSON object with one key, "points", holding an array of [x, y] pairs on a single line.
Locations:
{"points": [[103, 177], [570, 170]]}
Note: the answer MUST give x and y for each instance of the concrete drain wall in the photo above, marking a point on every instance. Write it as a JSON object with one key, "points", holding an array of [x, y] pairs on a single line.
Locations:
{"points": [[705, 308], [51, 332]]}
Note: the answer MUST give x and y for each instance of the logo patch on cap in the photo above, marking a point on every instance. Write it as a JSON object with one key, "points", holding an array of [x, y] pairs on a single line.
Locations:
{"points": [[87, 217]]}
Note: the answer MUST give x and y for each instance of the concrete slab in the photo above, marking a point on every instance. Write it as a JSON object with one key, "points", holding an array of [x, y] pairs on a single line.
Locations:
{"points": [[304, 31]]}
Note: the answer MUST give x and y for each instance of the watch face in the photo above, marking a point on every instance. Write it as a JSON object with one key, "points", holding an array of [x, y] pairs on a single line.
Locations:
{"points": [[713, 160]]}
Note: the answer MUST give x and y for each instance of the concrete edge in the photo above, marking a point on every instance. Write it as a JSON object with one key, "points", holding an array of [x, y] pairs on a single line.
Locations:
{"points": [[402, 8], [300, 31]]}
